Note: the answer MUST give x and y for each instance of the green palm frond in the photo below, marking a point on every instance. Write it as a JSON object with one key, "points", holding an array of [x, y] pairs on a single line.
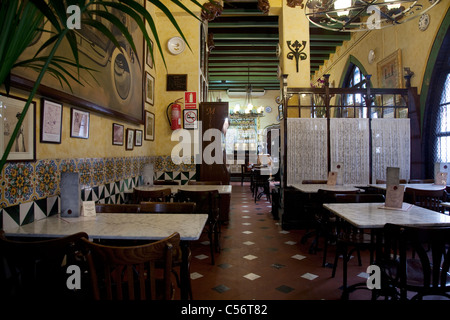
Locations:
{"points": [[22, 20]]}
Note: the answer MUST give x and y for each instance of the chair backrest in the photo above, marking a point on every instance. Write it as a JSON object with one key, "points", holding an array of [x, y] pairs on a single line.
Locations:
{"points": [[162, 195], [429, 199], [314, 182], [359, 198], [165, 182], [36, 269], [216, 182], [421, 181], [379, 181], [426, 274], [167, 207], [206, 201], [128, 273], [116, 208]]}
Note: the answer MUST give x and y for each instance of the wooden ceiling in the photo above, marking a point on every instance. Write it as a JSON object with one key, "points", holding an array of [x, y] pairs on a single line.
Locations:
{"points": [[245, 44]]}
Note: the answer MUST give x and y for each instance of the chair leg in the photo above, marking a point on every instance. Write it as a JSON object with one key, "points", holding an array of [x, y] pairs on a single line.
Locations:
{"points": [[211, 244]]}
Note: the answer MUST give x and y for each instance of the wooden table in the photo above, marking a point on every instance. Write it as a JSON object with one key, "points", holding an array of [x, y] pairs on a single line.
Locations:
{"points": [[373, 216], [122, 226], [224, 192]]}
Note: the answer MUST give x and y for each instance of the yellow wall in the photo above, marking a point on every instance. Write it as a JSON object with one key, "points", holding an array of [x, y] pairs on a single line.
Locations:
{"points": [[414, 44]]}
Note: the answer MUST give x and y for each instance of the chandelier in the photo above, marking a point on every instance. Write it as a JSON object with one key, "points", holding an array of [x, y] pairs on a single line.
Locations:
{"points": [[364, 15], [249, 109]]}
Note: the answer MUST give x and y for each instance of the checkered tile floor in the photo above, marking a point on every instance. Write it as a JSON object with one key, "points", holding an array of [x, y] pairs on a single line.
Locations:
{"points": [[261, 261]]}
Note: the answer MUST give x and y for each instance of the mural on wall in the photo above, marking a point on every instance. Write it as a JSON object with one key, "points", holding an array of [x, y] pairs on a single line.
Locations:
{"points": [[117, 88]]}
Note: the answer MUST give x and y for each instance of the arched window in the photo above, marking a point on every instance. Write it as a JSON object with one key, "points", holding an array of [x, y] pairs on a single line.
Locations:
{"points": [[437, 111], [354, 79]]}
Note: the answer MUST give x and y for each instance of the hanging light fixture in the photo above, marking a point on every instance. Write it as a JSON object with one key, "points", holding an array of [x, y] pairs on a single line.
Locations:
{"points": [[364, 15], [250, 110]]}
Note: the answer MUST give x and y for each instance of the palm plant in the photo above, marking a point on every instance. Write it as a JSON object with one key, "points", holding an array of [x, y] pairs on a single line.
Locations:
{"points": [[22, 20]]}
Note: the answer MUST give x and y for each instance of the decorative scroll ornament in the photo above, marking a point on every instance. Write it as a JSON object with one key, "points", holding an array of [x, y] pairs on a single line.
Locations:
{"points": [[295, 3], [296, 51], [211, 10], [264, 6], [211, 44]]}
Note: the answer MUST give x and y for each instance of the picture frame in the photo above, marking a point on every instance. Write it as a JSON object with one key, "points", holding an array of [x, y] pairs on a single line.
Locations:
{"points": [[117, 134], [138, 138], [148, 56], [79, 124], [149, 126], [51, 121], [24, 148], [105, 91], [389, 71], [130, 139], [149, 88], [190, 119], [176, 82]]}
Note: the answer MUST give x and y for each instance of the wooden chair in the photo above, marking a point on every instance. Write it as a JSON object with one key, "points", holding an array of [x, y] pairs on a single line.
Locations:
{"points": [[324, 220], [165, 182], [116, 208], [163, 195], [206, 202], [260, 181], [167, 207], [349, 237], [430, 199], [426, 275], [36, 269], [379, 181], [314, 182], [129, 273], [216, 182], [421, 181]]}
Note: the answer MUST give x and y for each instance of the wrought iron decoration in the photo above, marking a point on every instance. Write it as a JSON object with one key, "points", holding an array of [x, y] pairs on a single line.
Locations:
{"points": [[296, 51]]}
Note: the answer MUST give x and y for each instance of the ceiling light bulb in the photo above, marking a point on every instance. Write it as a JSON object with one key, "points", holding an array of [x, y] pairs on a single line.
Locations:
{"points": [[342, 4]]}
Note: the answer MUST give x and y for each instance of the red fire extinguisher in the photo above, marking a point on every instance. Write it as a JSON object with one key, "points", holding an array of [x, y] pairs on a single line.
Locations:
{"points": [[175, 114]]}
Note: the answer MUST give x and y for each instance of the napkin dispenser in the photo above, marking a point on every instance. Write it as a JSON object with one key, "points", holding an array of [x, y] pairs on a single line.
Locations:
{"points": [[70, 194]]}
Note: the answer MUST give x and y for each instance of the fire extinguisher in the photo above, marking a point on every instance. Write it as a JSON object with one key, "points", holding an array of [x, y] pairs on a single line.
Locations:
{"points": [[175, 114]]}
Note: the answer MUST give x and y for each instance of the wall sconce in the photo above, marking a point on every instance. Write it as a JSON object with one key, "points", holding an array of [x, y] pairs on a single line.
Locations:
{"points": [[296, 51]]}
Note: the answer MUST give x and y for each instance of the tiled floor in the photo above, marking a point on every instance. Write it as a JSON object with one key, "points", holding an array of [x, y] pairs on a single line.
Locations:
{"points": [[259, 260]]}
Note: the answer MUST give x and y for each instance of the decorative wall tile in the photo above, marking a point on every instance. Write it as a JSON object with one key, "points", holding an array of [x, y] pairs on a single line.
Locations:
{"points": [[68, 165], [127, 168], [46, 178], [119, 164], [110, 171], [84, 168], [98, 171], [19, 178]]}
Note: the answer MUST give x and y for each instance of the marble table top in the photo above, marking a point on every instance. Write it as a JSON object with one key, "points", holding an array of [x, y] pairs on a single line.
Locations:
{"points": [[313, 188], [418, 186], [372, 216], [127, 226], [223, 189]]}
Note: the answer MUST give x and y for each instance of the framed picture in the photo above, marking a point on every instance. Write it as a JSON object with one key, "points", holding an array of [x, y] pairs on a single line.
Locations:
{"points": [[389, 71], [149, 126], [176, 82], [24, 146], [130, 139], [115, 90], [138, 138], [117, 134], [190, 117], [148, 55], [149, 88], [51, 121], [79, 124]]}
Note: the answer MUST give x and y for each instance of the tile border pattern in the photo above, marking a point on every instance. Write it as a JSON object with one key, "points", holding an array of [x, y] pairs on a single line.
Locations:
{"points": [[30, 190]]}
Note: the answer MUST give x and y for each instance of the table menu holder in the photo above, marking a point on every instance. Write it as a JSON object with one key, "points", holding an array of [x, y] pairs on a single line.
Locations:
{"points": [[338, 168], [441, 178], [394, 196], [392, 176], [88, 209], [332, 178], [70, 194]]}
